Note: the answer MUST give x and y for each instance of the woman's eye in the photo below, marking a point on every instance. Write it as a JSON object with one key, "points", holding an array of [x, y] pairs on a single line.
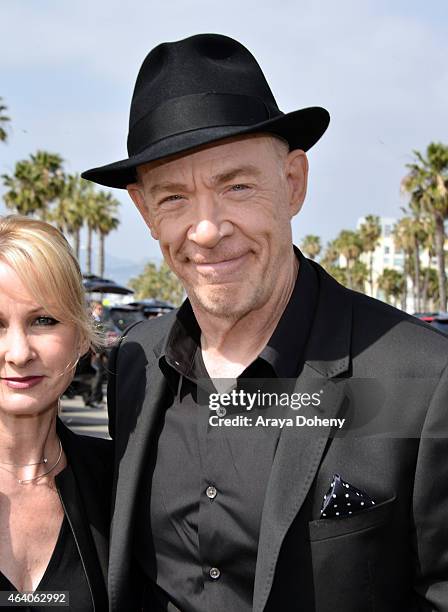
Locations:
{"points": [[44, 321]]}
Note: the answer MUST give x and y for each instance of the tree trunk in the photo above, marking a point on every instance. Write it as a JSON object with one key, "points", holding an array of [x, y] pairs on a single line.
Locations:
{"points": [[371, 273], [89, 250], [77, 243], [101, 254], [440, 252], [426, 283], [404, 295], [416, 275], [348, 273]]}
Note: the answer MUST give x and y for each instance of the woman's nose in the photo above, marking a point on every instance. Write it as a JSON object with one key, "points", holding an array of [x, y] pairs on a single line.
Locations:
{"points": [[17, 347]]}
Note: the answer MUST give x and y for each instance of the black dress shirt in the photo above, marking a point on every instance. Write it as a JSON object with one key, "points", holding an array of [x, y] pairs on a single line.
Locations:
{"points": [[199, 525]]}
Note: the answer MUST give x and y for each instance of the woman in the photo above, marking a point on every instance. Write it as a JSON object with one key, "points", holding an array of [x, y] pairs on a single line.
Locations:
{"points": [[54, 485]]}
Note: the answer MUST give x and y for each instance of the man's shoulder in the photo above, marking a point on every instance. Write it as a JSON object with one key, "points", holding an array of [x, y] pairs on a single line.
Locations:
{"points": [[387, 336], [402, 341], [368, 310], [151, 332]]}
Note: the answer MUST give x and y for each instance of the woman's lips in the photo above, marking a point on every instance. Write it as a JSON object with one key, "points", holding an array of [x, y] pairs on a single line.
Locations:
{"points": [[25, 382]]}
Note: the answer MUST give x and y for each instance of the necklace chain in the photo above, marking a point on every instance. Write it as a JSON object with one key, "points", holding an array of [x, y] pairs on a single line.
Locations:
{"points": [[23, 481], [43, 460]]}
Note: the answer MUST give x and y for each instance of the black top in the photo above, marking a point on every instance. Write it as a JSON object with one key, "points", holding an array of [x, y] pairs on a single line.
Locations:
{"points": [[64, 572], [201, 511]]}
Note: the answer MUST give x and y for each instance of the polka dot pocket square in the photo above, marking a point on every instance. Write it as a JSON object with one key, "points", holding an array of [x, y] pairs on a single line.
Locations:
{"points": [[343, 500]]}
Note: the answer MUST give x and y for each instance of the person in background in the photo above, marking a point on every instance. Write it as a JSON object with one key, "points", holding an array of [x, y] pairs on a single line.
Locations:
{"points": [[54, 485], [98, 361]]}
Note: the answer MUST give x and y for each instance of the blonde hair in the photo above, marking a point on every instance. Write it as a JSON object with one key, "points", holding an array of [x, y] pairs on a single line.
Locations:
{"points": [[45, 263]]}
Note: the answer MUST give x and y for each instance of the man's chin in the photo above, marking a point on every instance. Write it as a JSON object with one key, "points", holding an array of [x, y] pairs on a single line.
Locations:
{"points": [[220, 302]]}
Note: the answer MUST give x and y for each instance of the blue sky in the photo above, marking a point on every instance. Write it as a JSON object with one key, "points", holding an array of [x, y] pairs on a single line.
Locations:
{"points": [[379, 67]]}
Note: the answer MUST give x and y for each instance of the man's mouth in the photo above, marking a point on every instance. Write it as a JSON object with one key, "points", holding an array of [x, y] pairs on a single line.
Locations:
{"points": [[222, 265]]}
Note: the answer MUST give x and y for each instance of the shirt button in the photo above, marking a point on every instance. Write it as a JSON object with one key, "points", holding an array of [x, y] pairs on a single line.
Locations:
{"points": [[214, 573], [211, 492]]}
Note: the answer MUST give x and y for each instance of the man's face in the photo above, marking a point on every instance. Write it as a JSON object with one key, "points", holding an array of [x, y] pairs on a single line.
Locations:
{"points": [[98, 310], [222, 216]]}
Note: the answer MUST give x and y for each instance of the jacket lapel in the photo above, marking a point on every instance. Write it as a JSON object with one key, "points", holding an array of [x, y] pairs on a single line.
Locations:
{"points": [[140, 421], [300, 449], [84, 489]]}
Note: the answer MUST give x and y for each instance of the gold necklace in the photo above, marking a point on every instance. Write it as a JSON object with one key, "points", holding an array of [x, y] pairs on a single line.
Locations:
{"points": [[43, 460], [23, 481]]}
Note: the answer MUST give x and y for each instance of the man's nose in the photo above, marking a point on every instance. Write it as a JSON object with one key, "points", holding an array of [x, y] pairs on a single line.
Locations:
{"points": [[209, 227], [17, 347]]}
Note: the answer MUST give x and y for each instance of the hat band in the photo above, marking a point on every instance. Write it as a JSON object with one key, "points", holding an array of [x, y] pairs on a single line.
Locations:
{"points": [[194, 112]]}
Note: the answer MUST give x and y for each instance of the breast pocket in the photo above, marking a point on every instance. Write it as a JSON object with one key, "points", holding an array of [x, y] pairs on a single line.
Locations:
{"points": [[354, 561]]}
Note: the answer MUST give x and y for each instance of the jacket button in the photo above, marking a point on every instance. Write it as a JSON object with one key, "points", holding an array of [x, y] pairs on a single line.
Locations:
{"points": [[211, 492], [214, 573]]}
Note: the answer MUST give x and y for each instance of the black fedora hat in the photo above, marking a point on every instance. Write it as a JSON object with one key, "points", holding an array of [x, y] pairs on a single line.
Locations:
{"points": [[197, 91]]}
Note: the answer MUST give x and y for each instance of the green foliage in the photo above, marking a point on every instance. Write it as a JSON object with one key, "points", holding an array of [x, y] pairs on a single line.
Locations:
{"points": [[35, 184], [311, 246], [427, 186], [370, 232], [359, 275], [330, 257], [337, 273], [392, 283], [158, 283], [40, 187], [4, 121]]}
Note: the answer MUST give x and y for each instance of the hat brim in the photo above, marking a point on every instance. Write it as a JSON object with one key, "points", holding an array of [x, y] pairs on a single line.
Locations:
{"points": [[301, 129]]}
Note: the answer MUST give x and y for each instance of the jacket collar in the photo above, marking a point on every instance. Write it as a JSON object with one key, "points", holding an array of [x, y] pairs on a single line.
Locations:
{"points": [[84, 506]]}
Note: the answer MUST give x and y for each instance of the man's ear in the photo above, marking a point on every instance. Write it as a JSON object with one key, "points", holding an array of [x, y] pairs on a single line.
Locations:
{"points": [[135, 190], [296, 171]]}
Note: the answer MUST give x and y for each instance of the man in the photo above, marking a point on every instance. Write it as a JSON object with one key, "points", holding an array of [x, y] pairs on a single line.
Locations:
{"points": [[297, 514]]}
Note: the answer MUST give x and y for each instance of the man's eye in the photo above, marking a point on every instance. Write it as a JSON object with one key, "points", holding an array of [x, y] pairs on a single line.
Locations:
{"points": [[44, 321], [172, 198], [239, 187]]}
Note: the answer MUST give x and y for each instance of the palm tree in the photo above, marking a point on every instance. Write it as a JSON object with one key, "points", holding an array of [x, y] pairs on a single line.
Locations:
{"points": [[411, 236], [91, 219], [330, 261], [405, 232], [428, 245], [370, 232], [330, 257], [392, 283], [428, 176], [36, 183], [106, 223], [360, 274], [349, 245], [311, 246], [4, 120], [68, 212]]}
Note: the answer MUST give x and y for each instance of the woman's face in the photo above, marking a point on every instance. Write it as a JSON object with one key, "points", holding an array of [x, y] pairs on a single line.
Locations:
{"points": [[37, 352]]}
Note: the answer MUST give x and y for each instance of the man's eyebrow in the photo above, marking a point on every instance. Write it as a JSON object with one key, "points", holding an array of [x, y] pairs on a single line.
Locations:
{"points": [[233, 173], [166, 186], [217, 179]]}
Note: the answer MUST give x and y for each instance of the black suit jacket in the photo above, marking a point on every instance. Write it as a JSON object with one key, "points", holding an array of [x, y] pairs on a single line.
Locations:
{"points": [[85, 494], [393, 557]]}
